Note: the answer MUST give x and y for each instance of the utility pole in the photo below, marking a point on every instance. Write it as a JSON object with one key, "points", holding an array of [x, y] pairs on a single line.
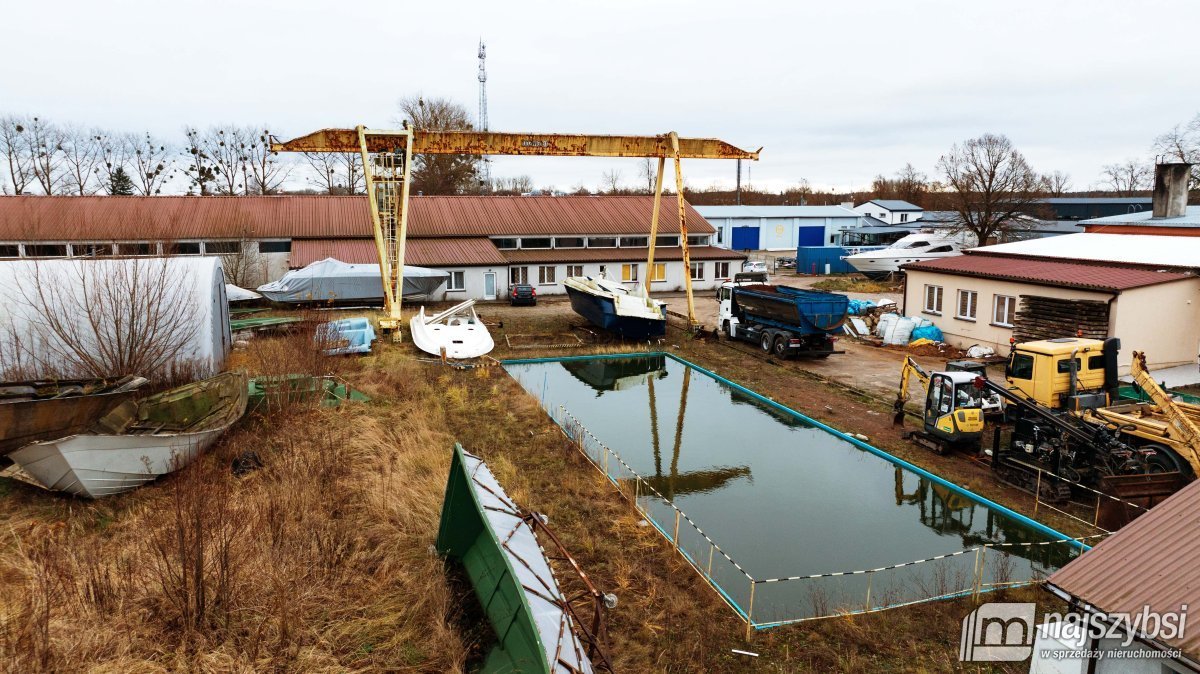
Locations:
{"points": [[485, 173], [739, 182]]}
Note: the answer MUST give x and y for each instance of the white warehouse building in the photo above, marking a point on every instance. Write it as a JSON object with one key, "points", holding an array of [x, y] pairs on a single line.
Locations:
{"points": [[779, 227]]}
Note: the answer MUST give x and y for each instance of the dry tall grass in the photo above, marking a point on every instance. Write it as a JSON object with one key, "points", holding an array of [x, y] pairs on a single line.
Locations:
{"points": [[318, 561]]}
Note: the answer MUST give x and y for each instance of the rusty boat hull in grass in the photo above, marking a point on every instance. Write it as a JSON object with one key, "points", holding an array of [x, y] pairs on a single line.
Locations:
{"points": [[31, 411]]}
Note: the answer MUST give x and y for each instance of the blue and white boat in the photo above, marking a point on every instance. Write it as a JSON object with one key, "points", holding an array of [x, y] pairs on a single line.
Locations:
{"points": [[613, 307]]}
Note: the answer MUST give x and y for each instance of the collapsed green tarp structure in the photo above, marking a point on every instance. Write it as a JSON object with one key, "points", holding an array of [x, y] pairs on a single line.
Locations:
{"points": [[485, 531], [296, 388]]}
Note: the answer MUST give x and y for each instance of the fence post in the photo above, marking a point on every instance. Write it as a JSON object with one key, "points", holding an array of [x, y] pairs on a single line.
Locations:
{"points": [[750, 612], [1096, 522], [977, 581], [710, 556], [675, 538], [870, 579], [1037, 493]]}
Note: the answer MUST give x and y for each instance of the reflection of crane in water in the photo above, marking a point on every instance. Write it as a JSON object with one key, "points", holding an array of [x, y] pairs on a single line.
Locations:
{"points": [[949, 512], [691, 482]]}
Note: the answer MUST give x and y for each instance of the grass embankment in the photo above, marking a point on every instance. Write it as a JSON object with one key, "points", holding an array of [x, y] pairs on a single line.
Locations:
{"points": [[856, 284], [320, 560]]}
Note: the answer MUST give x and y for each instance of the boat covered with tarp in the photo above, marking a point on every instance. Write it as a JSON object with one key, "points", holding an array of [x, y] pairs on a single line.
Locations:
{"points": [[331, 281], [611, 306], [495, 542], [138, 441], [43, 410]]}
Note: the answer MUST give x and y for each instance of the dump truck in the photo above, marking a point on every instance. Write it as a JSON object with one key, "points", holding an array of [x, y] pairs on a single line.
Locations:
{"points": [[782, 320]]}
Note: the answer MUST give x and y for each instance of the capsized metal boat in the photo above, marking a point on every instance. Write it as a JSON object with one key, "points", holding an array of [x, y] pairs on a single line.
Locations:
{"points": [[613, 307], [138, 441], [454, 333], [539, 629], [44, 410]]}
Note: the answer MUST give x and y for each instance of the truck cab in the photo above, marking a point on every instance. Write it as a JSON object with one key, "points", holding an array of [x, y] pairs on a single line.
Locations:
{"points": [[1068, 373]]}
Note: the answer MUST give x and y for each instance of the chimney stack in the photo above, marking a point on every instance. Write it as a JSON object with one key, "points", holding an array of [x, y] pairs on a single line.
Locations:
{"points": [[1171, 190]]}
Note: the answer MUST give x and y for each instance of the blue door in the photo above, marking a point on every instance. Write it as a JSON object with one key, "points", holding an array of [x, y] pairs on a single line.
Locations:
{"points": [[745, 238], [811, 236]]}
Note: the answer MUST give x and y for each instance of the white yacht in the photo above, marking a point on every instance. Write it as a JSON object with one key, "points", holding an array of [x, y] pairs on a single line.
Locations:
{"points": [[882, 262]]}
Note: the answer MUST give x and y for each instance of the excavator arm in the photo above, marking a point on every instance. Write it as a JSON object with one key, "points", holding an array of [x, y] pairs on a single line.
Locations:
{"points": [[908, 370], [1181, 423]]}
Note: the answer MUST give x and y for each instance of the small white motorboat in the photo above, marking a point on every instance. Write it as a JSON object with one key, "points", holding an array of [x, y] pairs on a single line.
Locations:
{"points": [[609, 305], [454, 333], [916, 247], [138, 441]]}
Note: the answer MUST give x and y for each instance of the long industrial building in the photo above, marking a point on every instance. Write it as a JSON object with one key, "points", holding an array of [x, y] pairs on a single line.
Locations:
{"points": [[487, 243]]}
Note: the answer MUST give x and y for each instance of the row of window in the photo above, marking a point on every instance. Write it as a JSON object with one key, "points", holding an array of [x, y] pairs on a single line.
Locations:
{"points": [[1004, 307], [547, 242], [135, 248], [630, 273]]}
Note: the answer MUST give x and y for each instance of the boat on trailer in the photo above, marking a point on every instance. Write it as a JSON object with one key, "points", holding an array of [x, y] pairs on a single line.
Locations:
{"points": [[613, 307], [454, 333], [46, 409], [138, 441]]}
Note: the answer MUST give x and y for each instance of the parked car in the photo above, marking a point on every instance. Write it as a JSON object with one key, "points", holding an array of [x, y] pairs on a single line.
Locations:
{"points": [[754, 265], [785, 263], [523, 294]]}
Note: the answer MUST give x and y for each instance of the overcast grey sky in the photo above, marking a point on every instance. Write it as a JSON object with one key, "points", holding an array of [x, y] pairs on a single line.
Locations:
{"points": [[835, 92]]}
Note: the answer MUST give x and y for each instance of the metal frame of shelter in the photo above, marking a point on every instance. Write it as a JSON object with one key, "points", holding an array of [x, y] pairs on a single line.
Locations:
{"points": [[387, 161]]}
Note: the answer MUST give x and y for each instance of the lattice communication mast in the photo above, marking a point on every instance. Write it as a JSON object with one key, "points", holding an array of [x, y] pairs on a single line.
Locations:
{"points": [[485, 170]]}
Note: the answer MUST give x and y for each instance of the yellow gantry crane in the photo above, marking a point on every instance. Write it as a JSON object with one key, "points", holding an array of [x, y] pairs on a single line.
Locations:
{"points": [[387, 165]]}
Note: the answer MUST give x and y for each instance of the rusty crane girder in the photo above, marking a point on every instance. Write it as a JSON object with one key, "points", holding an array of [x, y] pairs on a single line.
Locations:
{"points": [[387, 158]]}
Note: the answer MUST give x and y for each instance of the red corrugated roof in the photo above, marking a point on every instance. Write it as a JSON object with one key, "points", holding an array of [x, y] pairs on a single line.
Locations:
{"points": [[479, 251], [1150, 562], [106, 218], [1047, 272], [466, 252]]}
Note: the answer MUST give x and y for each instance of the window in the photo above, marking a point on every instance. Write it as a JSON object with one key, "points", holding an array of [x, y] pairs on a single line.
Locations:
{"points": [[699, 240], [635, 241], [669, 241], [722, 270], [883, 216], [602, 242], [568, 242], [1021, 366], [181, 248], [933, 299], [1095, 362], [457, 281], [274, 246], [546, 276], [574, 270], [91, 249], [940, 249], [917, 244], [505, 244], [535, 242], [604, 270], [1064, 365], [10, 250], [660, 272], [904, 217], [1004, 311], [718, 235], [46, 250], [518, 275], [697, 271], [222, 247], [629, 273], [967, 300]]}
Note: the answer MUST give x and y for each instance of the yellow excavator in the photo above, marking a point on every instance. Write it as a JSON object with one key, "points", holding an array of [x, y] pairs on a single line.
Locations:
{"points": [[953, 414]]}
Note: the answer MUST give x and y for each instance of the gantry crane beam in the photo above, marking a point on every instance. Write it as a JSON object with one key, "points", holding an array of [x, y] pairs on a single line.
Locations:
{"points": [[387, 158]]}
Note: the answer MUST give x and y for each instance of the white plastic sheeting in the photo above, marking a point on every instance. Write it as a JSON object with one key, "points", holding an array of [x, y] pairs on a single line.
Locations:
{"points": [[237, 294], [331, 280], [99, 296], [1148, 249]]}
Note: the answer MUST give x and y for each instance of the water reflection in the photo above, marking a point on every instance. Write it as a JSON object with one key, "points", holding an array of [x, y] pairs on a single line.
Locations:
{"points": [[692, 482], [617, 374]]}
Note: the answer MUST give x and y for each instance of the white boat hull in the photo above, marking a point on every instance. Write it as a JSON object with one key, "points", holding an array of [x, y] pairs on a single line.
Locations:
{"points": [[457, 333], [94, 466]]}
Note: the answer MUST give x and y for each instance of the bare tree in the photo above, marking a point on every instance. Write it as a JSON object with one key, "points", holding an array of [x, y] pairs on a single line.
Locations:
{"points": [[521, 184], [14, 151], [107, 318], [151, 161], [911, 184], [799, 194], [82, 158], [440, 173], [201, 169], [337, 172], [648, 172], [43, 142], [610, 181], [991, 183], [267, 171], [1127, 177], [1182, 144], [1056, 183], [227, 148], [245, 266], [114, 157]]}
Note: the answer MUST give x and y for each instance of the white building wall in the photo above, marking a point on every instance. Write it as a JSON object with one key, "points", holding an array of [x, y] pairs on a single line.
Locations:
{"points": [[880, 213]]}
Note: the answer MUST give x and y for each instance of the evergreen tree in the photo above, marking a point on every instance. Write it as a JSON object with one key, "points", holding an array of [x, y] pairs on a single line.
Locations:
{"points": [[120, 183]]}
